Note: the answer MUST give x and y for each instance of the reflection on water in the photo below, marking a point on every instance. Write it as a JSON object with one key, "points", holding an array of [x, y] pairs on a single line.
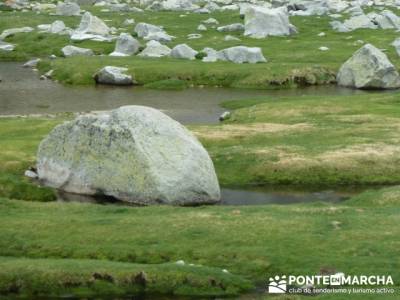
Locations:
{"points": [[248, 196], [21, 92]]}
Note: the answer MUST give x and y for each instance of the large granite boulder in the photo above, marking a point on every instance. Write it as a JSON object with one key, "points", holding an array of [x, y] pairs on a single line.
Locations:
{"points": [[136, 154], [126, 45], [261, 22], [113, 76], [368, 68], [242, 54], [68, 9]]}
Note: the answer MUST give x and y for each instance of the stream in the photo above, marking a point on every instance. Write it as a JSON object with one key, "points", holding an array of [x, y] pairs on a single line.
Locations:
{"points": [[23, 93]]}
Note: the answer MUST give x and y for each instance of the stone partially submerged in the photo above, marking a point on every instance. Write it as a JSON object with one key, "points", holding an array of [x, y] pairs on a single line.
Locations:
{"points": [[261, 22], [113, 76], [136, 154], [368, 68]]}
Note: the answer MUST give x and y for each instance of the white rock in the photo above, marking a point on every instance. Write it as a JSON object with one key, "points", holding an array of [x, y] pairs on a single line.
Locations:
{"points": [[231, 27], [6, 46]]}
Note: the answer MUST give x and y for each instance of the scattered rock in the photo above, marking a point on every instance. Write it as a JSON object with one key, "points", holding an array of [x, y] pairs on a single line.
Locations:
{"points": [[134, 153], [6, 46], [91, 28], [155, 49], [242, 54], [9, 32], [368, 68], [126, 45], [74, 51], [225, 116], [68, 9], [113, 76], [262, 22], [231, 28], [183, 51]]}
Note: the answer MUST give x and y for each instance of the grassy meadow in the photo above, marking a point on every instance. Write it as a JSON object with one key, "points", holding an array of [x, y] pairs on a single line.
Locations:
{"points": [[306, 141], [292, 61], [54, 249]]}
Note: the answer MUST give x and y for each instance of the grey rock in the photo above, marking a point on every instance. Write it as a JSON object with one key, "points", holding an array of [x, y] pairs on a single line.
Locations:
{"points": [[76, 51], [242, 54], [134, 153], [183, 51], [91, 27], [262, 22], [368, 68], [113, 76], [68, 9], [126, 45], [155, 49], [231, 28], [9, 32]]}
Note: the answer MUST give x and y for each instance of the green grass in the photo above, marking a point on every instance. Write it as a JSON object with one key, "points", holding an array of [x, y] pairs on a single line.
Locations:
{"points": [[89, 278], [308, 141], [292, 61], [252, 242]]}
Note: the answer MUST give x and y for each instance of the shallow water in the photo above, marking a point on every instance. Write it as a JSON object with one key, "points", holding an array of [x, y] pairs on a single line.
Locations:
{"points": [[248, 196], [22, 92]]}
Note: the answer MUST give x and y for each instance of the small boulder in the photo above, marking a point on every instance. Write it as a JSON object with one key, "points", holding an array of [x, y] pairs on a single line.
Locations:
{"points": [[242, 54], [68, 9], [113, 76], [126, 45], [183, 51], [74, 51], [155, 49], [368, 68]]}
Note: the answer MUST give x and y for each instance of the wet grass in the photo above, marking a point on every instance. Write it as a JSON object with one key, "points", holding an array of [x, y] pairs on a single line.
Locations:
{"points": [[292, 61]]}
